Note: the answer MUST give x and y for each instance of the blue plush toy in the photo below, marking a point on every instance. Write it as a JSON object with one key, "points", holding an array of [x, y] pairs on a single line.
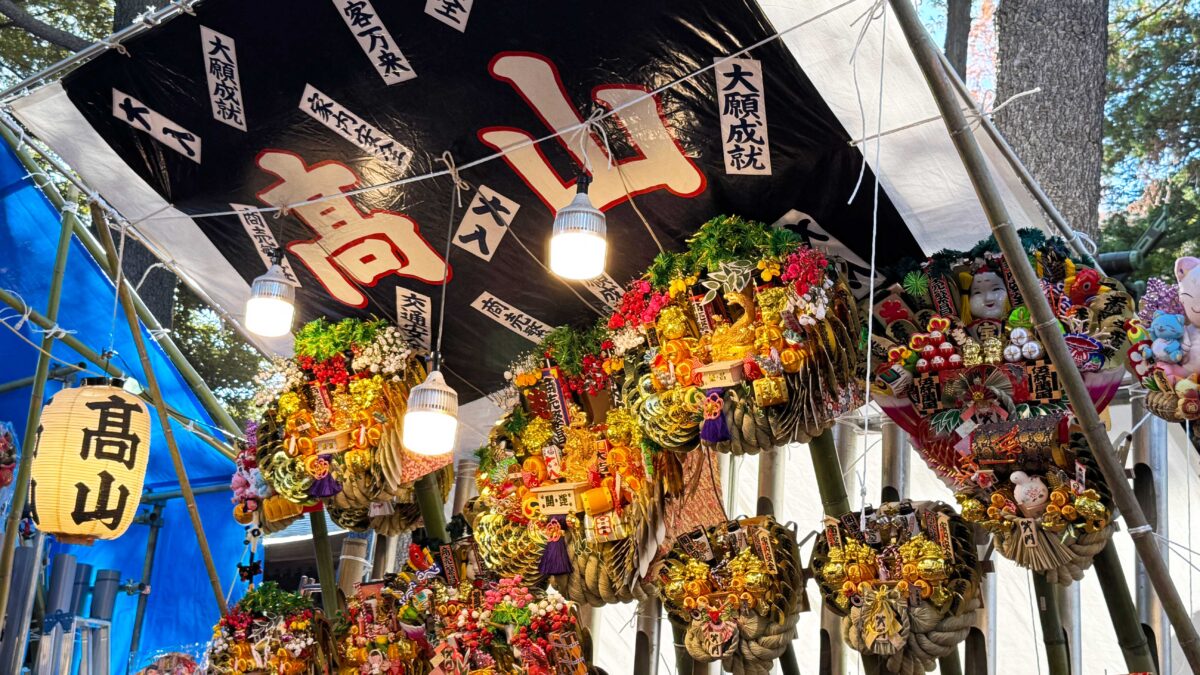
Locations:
{"points": [[1167, 330]]}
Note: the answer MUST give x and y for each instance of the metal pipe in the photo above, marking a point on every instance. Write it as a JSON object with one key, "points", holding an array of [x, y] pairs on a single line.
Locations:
{"points": [[156, 497], [27, 579], [895, 461], [155, 523], [464, 484], [1072, 616], [102, 363], [54, 635], [352, 562], [104, 599], [646, 642], [210, 402], [160, 409], [1047, 328], [58, 373], [34, 419], [1150, 470], [324, 554]]}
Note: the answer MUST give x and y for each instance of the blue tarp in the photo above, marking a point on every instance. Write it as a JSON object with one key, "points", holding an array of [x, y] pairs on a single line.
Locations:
{"points": [[181, 608]]}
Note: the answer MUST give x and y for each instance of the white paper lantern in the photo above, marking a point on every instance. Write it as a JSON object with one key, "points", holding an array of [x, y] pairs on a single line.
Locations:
{"points": [[90, 462]]}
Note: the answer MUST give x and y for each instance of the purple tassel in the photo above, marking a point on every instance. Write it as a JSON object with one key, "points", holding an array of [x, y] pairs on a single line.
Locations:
{"points": [[325, 487], [713, 429], [555, 559]]}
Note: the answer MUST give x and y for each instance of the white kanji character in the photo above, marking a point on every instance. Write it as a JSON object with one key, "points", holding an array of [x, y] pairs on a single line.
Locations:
{"points": [[662, 165], [350, 246]]}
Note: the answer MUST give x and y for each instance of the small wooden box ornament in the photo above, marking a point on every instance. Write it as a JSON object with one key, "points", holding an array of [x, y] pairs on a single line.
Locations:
{"points": [[721, 374], [560, 499], [605, 527], [332, 442]]}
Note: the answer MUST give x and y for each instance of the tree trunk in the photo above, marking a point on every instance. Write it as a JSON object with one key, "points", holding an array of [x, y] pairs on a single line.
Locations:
{"points": [[958, 33], [158, 291], [1060, 47]]}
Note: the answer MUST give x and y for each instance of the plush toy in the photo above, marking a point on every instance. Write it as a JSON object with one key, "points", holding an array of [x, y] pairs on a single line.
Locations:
{"points": [[1167, 331], [1030, 493]]}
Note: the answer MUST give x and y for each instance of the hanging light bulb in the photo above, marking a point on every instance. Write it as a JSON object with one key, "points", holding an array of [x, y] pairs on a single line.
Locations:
{"points": [[271, 306], [431, 420], [577, 242]]}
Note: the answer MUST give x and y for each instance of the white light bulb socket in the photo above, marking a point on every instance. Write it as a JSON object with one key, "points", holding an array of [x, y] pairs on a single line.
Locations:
{"points": [[431, 419], [272, 304], [578, 246]]}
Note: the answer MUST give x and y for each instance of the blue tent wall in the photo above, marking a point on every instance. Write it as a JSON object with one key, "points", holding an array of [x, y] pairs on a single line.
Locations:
{"points": [[181, 608]]}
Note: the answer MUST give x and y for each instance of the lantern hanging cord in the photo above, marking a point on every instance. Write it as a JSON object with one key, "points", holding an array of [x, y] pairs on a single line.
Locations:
{"points": [[458, 186], [503, 152], [878, 10], [118, 279]]}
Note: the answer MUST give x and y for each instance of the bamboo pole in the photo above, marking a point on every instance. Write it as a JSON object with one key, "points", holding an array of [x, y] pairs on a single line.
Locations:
{"points": [[1046, 326], [770, 477], [325, 572], [1134, 645], [429, 500], [160, 409], [33, 420], [210, 402], [1058, 661], [95, 359], [828, 471]]}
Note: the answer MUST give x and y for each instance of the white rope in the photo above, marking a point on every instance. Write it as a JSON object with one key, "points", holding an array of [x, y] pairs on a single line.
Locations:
{"points": [[157, 334], [976, 117], [118, 279], [158, 265], [54, 332], [501, 153], [878, 10]]}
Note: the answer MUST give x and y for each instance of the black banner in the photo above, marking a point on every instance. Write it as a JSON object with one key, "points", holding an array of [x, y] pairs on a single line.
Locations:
{"points": [[248, 104]]}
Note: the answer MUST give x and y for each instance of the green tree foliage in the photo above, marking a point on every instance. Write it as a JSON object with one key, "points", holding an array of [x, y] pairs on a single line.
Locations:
{"points": [[1152, 134], [22, 54], [225, 361]]}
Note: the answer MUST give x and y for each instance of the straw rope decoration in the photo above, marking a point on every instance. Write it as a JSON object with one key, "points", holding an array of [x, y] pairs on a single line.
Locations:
{"points": [[331, 433], [737, 588], [905, 580], [1163, 355], [964, 373]]}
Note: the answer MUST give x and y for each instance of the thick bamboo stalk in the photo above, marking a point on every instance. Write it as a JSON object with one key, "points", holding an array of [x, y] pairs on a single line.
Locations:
{"points": [[33, 420], [103, 364], [770, 477], [429, 500], [210, 402], [325, 572], [160, 409], [827, 469], [1048, 330], [1134, 645], [1058, 661]]}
